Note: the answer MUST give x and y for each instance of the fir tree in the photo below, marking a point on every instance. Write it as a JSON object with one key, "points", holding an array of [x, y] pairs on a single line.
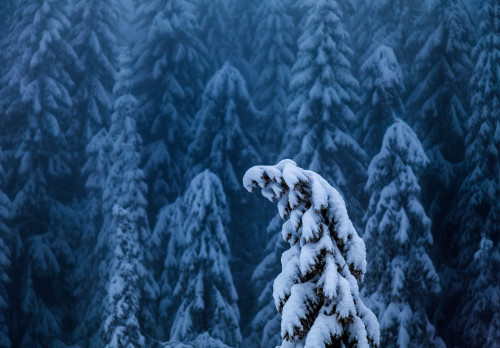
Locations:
{"points": [[480, 316], [130, 285], [382, 86], [222, 140], [396, 24], [166, 255], [273, 57], [214, 30], [93, 39], [118, 309], [479, 204], [244, 21], [323, 91], [317, 290], [94, 172], [479, 207], [205, 285], [123, 298], [443, 65], [172, 68], [402, 276], [36, 101], [439, 103]]}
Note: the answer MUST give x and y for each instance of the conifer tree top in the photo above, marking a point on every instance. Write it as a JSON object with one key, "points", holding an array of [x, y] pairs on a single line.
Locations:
{"points": [[317, 290]]}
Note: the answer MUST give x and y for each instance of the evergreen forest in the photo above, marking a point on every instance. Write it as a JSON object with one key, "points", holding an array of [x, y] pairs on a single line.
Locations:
{"points": [[127, 128]]}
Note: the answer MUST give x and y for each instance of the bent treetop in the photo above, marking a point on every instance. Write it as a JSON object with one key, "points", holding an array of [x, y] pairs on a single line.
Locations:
{"points": [[317, 291]]}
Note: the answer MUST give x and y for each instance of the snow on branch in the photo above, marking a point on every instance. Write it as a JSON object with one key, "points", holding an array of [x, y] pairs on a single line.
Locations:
{"points": [[317, 291]]}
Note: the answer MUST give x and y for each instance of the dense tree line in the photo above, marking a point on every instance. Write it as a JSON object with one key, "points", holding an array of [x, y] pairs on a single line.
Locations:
{"points": [[126, 129]]}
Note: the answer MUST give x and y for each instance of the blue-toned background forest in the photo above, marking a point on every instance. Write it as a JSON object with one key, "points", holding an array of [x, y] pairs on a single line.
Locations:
{"points": [[126, 128]]}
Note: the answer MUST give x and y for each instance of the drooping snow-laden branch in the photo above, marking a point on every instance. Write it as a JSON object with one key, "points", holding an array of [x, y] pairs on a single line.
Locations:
{"points": [[317, 291]]}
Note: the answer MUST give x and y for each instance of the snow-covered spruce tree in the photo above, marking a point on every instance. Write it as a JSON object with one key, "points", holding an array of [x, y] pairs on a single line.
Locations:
{"points": [[123, 299], [224, 141], [480, 317], [37, 86], [222, 138], [166, 253], [323, 91], [389, 23], [123, 286], [93, 39], [401, 275], [382, 86], [94, 172], [36, 104], [439, 103], [205, 286], [479, 206], [264, 329], [213, 29], [172, 67], [130, 285], [439, 100], [478, 211], [272, 59], [317, 290], [244, 24], [6, 243]]}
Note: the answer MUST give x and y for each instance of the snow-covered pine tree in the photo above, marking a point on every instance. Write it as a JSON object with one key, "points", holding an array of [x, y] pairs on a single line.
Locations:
{"points": [[382, 86], [93, 39], [272, 60], [323, 91], [172, 68], [264, 329], [401, 275], [478, 211], [6, 243], [317, 290], [222, 138], [205, 286], [36, 104]]}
